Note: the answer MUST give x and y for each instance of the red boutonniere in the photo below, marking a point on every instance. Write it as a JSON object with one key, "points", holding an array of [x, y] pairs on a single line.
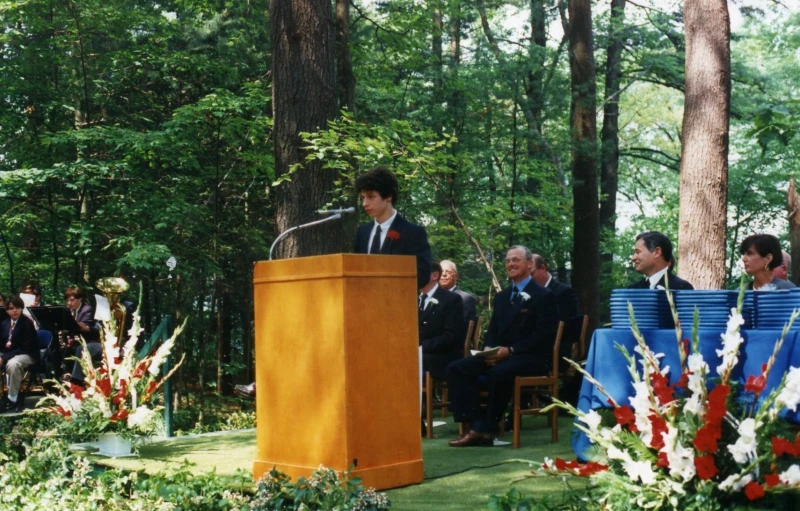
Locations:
{"points": [[393, 235]]}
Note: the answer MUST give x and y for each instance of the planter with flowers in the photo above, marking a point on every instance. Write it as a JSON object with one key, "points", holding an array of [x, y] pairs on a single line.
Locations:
{"points": [[116, 404], [704, 442]]}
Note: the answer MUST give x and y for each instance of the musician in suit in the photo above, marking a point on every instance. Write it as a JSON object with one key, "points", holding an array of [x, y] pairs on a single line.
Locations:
{"points": [[566, 297], [440, 328], [449, 282], [89, 330], [389, 233], [652, 257], [523, 325], [19, 348]]}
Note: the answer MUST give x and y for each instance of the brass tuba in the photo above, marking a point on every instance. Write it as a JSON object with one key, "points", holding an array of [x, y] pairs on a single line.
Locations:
{"points": [[112, 288]]}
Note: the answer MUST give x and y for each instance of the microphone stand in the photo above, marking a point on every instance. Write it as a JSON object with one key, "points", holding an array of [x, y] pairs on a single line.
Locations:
{"points": [[291, 229]]}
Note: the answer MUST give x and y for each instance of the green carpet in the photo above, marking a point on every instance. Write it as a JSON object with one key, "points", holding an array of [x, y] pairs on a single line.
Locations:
{"points": [[455, 479]]}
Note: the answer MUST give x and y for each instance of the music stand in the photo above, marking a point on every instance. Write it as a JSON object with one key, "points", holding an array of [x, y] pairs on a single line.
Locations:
{"points": [[42, 316], [63, 320]]}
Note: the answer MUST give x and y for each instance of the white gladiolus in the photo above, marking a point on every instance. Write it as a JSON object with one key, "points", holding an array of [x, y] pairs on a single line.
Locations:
{"points": [[789, 396], [642, 407], [592, 419], [791, 476], [731, 340], [744, 450], [161, 354], [735, 483], [640, 470], [140, 418], [680, 458]]}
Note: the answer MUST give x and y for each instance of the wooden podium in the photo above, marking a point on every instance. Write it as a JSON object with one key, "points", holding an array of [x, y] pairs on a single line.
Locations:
{"points": [[337, 370]]}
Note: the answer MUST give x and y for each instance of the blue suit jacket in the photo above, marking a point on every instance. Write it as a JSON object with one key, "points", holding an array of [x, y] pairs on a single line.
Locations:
{"points": [[23, 340], [411, 239]]}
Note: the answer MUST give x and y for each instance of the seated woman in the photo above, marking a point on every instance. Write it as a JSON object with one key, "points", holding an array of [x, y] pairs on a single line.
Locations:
{"points": [[18, 349], [761, 253]]}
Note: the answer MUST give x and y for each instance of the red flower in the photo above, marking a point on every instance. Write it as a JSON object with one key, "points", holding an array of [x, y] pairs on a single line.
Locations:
{"points": [[706, 469], [140, 369], [393, 235], [662, 460], [76, 390], [716, 404], [661, 387], [150, 388], [104, 386], [782, 446], [591, 468], [63, 412], [706, 438], [119, 415], [560, 464], [756, 384], [659, 429], [772, 480], [625, 417], [686, 346], [753, 490], [121, 393], [573, 466], [681, 384]]}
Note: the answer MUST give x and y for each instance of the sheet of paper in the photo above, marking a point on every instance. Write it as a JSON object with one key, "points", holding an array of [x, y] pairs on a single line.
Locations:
{"points": [[487, 352], [103, 310], [27, 299]]}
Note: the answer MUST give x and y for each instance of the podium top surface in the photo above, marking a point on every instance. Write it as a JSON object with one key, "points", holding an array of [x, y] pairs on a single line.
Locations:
{"points": [[335, 266]]}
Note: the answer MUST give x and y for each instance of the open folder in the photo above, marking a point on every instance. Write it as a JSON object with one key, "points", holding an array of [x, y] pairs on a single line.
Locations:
{"points": [[488, 352]]}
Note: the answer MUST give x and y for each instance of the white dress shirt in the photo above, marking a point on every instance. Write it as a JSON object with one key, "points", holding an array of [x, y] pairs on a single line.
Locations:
{"points": [[384, 230]]}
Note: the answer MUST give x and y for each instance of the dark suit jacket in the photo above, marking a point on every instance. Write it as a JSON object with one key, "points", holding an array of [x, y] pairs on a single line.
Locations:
{"points": [[24, 340], [410, 239], [567, 300], [529, 326], [675, 283], [440, 328], [470, 312], [85, 315]]}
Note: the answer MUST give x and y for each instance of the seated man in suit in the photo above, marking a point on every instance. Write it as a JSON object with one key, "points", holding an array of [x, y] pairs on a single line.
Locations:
{"points": [[523, 325], [449, 282], [566, 297], [782, 270], [90, 331], [440, 332], [390, 233], [652, 257], [19, 348]]}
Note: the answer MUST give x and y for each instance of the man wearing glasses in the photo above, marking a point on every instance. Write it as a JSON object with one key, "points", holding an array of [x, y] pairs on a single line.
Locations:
{"points": [[449, 282]]}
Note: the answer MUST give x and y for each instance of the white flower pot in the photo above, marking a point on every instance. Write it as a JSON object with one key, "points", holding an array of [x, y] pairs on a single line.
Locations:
{"points": [[113, 445]]}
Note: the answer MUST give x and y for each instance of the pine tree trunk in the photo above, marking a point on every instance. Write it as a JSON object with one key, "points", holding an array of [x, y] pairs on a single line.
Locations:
{"points": [[344, 72], [704, 155], [304, 99], [586, 235], [793, 203]]}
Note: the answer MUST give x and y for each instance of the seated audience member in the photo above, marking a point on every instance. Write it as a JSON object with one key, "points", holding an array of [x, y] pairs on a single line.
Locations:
{"points": [[440, 326], [566, 297], [36, 291], [782, 270], [18, 349], [449, 282], [761, 254], [90, 331], [652, 257], [523, 326]]}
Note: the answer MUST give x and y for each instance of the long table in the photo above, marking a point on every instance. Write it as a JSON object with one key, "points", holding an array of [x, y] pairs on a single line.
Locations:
{"points": [[609, 367]]}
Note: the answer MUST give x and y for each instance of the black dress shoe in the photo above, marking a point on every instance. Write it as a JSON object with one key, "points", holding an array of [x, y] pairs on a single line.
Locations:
{"points": [[19, 405], [473, 439]]}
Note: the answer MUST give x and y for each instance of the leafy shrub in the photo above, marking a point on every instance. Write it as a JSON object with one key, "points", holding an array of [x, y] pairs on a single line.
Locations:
{"points": [[324, 490]]}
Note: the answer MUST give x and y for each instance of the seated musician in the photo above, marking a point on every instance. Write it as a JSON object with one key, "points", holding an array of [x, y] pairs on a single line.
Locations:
{"points": [[89, 330], [18, 349]]}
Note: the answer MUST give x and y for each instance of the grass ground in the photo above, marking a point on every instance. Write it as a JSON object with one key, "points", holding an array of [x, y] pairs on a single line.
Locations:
{"points": [[455, 479]]}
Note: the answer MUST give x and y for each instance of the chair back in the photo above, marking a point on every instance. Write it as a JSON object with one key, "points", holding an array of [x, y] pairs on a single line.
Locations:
{"points": [[476, 335], [556, 348], [44, 337], [574, 339], [468, 338]]}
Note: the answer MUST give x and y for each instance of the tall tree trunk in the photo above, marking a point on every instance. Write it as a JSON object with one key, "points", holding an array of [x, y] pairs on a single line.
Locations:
{"points": [[344, 72], [303, 99], [586, 235], [437, 97], [704, 155], [609, 134], [793, 203]]}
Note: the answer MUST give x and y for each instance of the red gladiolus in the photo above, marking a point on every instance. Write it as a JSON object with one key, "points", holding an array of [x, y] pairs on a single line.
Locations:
{"points": [[151, 388], [104, 386], [772, 480], [76, 390], [681, 384], [625, 417], [716, 404], [63, 412], [662, 460], [590, 468], [661, 387], [560, 464], [755, 384], [753, 490], [393, 235], [140, 369], [119, 415], [706, 438], [659, 430], [121, 393], [686, 347], [706, 469], [781, 446]]}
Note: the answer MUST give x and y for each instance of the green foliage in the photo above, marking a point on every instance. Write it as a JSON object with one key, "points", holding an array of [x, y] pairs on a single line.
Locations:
{"points": [[514, 500], [325, 489]]}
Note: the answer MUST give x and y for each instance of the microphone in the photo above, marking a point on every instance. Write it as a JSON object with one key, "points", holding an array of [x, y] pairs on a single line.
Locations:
{"points": [[336, 211]]}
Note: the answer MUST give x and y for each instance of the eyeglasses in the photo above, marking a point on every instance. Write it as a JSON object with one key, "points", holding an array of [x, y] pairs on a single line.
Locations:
{"points": [[448, 272]]}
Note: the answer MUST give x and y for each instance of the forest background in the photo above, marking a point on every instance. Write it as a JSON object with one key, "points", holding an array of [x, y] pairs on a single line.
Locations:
{"points": [[133, 131]]}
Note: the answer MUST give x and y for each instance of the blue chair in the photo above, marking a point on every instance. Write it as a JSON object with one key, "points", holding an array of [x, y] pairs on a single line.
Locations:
{"points": [[39, 368]]}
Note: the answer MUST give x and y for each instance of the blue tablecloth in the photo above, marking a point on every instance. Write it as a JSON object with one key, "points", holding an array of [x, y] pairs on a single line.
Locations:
{"points": [[609, 367]]}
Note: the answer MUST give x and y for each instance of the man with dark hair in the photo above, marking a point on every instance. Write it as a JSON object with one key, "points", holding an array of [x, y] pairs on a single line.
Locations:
{"points": [[566, 297], [90, 331], [523, 327], [440, 330], [18, 349], [449, 282], [652, 257], [389, 233]]}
